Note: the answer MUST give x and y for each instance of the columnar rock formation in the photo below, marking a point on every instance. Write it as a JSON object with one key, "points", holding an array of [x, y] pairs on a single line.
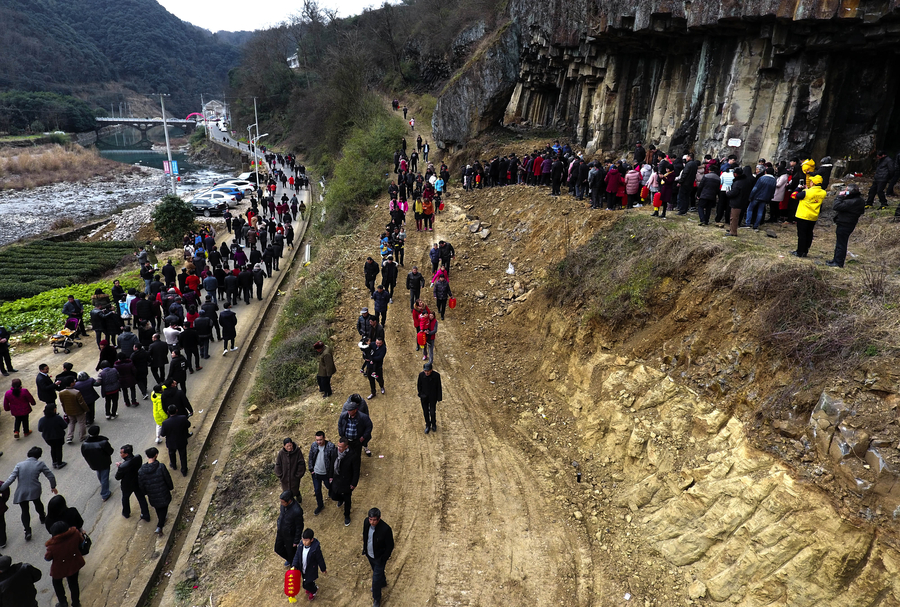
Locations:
{"points": [[785, 77]]}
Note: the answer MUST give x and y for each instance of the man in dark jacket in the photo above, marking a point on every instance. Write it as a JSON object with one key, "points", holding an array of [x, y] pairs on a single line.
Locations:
{"points": [[211, 311], [389, 276], [289, 468], [211, 284], [17, 583], [258, 279], [46, 389], [245, 280], [370, 271], [73, 308], [189, 340], [556, 176], [97, 452], [738, 197], [308, 560], [228, 321], [639, 153], [176, 431], [430, 393], [322, 454], [154, 482], [172, 396], [708, 193], [290, 528], [344, 476], [686, 191], [884, 170], [356, 427], [414, 283], [169, 272], [127, 475], [848, 208], [381, 298], [448, 254], [178, 366], [378, 545], [159, 358], [232, 289]]}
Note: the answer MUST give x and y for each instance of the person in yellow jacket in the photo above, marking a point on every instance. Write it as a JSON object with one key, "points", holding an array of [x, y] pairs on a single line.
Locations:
{"points": [[809, 202], [809, 168], [159, 411]]}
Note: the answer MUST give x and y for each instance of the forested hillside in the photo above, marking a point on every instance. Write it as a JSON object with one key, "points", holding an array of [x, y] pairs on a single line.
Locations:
{"points": [[73, 46]]}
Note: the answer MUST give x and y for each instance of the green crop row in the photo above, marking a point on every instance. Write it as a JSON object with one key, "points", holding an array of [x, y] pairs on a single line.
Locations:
{"points": [[41, 312]]}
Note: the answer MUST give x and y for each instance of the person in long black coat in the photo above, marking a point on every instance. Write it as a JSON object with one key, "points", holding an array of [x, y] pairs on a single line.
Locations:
{"points": [[176, 431], [228, 321], [848, 208], [289, 532], [346, 477], [154, 482], [17, 583], [430, 393]]}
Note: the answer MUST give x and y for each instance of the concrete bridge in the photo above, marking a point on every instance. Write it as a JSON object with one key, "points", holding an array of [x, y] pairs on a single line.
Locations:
{"points": [[144, 124]]}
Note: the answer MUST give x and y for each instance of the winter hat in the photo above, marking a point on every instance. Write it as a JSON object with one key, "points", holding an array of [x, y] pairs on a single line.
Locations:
{"points": [[815, 179], [427, 366], [364, 311]]}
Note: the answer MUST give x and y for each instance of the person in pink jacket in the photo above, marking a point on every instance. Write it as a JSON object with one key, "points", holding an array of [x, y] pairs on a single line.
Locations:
{"points": [[19, 401], [633, 186]]}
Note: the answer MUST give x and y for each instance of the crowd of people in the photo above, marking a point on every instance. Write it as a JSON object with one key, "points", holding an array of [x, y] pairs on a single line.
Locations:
{"points": [[149, 342], [787, 192]]}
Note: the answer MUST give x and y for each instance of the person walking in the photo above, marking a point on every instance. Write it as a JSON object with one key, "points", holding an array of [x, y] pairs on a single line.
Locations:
{"points": [[378, 545], [73, 308], [308, 560], [127, 379], [159, 358], [355, 426], [46, 389], [289, 468], [848, 208], [289, 531], [322, 454], [442, 294], [19, 402], [53, 429], [375, 365], [326, 368], [884, 169], [178, 368], [381, 298], [28, 488], [430, 393], [345, 477], [5, 361], [58, 510], [154, 482], [127, 475], [176, 431], [76, 409], [370, 271], [228, 321], [414, 283], [109, 386], [64, 552], [17, 583], [429, 327], [97, 452]]}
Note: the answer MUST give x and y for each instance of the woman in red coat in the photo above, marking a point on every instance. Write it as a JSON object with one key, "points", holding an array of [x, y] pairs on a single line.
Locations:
{"points": [[19, 402], [64, 552]]}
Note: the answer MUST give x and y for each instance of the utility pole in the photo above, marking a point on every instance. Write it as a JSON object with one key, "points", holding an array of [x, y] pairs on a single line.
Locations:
{"points": [[162, 102], [256, 160], [203, 111]]}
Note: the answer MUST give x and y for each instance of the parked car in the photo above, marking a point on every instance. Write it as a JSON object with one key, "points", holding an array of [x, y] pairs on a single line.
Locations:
{"points": [[207, 207], [228, 199], [241, 184], [252, 177], [228, 189]]}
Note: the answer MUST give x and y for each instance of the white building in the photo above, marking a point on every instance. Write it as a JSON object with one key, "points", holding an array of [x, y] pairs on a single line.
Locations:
{"points": [[293, 62], [214, 110]]}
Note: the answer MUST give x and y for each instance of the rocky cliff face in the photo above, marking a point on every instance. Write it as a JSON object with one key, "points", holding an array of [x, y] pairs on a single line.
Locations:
{"points": [[785, 77]]}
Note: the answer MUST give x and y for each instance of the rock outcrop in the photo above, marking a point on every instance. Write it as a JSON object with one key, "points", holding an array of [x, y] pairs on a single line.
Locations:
{"points": [[785, 77]]}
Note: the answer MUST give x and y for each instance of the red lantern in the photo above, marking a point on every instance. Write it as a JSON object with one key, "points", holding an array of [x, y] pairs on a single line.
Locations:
{"points": [[441, 206], [293, 582], [657, 200], [420, 338], [452, 302]]}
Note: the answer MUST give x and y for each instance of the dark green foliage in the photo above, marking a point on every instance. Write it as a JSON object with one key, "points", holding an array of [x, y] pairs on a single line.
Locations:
{"points": [[39, 266], [173, 218], [60, 46], [44, 111]]}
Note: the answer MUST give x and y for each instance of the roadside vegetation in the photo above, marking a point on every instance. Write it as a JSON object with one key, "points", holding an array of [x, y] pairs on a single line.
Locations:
{"points": [[26, 168], [31, 319], [172, 219], [27, 270]]}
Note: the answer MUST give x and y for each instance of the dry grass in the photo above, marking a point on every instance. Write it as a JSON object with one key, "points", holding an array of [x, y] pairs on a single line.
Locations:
{"points": [[22, 169]]}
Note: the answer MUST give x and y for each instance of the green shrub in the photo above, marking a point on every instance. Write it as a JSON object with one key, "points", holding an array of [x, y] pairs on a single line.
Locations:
{"points": [[172, 218]]}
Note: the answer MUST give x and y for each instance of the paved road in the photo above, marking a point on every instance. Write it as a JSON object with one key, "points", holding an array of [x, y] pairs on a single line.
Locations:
{"points": [[113, 535]]}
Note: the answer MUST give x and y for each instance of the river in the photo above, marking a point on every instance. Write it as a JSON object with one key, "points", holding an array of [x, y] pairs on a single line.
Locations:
{"points": [[29, 213]]}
